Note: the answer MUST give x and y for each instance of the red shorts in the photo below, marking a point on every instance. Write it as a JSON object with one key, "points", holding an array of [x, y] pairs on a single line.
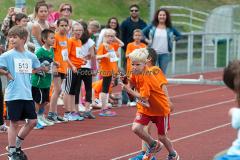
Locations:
{"points": [[161, 122]]}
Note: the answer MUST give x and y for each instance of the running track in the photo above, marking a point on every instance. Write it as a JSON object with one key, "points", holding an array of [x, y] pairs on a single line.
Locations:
{"points": [[200, 127]]}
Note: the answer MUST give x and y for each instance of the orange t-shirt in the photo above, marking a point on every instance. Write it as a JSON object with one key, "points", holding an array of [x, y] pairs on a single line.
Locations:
{"points": [[105, 66], [148, 87], [115, 64], [97, 86], [130, 48], [74, 45], [157, 72], [61, 52]]}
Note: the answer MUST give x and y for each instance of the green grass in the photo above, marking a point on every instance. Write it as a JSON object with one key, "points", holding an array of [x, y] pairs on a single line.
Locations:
{"points": [[103, 9]]}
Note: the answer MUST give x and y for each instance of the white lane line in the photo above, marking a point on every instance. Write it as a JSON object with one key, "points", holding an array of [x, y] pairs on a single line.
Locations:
{"points": [[117, 127], [179, 139]]}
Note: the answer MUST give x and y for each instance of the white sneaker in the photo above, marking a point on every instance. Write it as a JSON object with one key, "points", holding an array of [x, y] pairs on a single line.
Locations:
{"points": [[81, 108], [40, 121], [97, 104], [4, 128], [44, 120], [131, 104]]}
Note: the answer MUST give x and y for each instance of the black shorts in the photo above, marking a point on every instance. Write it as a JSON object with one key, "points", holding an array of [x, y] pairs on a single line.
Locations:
{"points": [[61, 75], [73, 82], [40, 95], [20, 110]]}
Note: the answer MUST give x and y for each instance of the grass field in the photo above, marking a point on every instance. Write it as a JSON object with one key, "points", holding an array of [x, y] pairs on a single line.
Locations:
{"points": [[103, 9]]}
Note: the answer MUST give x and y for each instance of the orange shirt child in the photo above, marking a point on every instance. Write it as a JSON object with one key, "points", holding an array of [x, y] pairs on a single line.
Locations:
{"points": [[157, 72], [73, 52], [148, 87], [61, 52], [97, 87], [130, 48], [105, 66]]}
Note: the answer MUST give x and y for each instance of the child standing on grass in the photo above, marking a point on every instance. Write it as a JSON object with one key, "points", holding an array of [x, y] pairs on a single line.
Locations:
{"points": [[152, 106], [41, 82], [18, 65], [231, 77]]}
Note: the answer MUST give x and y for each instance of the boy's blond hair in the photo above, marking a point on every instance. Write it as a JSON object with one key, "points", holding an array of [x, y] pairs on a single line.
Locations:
{"points": [[94, 23], [139, 55]]}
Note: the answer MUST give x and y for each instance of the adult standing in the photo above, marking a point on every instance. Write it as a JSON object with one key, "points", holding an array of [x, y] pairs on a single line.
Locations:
{"points": [[160, 36], [129, 25]]}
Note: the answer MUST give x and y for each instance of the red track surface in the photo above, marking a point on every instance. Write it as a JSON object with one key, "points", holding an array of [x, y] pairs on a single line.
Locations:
{"points": [[199, 129]]}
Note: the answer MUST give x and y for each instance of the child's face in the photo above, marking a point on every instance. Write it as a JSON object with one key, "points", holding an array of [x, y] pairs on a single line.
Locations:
{"points": [[50, 39], [16, 41], [77, 31], [137, 36], [63, 27], [109, 38], [137, 67], [23, 22], [92, 29]]}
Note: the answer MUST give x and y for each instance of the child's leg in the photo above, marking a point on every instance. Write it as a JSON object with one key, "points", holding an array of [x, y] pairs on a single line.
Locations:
{"points": [[148, 130], [25, 130], [163, 126], [138, 129], [56, 92], [12, 133]]}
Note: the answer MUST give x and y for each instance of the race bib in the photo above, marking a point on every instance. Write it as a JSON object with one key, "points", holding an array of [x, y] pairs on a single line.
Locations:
{"points": [[79, 53], [23, 65], [65, 54], [113, 56]]}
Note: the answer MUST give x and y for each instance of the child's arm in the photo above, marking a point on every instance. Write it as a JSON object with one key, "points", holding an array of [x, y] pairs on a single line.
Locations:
{"points": [[164, 88], [142, 100], [121, 44], [6, 73], [101, 52], [235, 113], [74, 69]]}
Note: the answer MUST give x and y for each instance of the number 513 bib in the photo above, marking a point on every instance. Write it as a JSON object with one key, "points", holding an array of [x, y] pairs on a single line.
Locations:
{"points": [[23, 65]]}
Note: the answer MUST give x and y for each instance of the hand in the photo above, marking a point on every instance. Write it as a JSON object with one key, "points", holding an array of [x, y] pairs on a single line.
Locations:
{"points": [[171, 106], [230, 112], [74, 69], [9, 76], [11, 11], [107, 55]]}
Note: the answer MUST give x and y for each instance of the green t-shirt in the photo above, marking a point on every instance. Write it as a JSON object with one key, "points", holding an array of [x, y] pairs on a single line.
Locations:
{"points": [[43, 81]]}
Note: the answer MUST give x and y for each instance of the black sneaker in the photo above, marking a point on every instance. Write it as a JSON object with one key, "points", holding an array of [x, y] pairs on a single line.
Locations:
{"points": [[21, 153], [14, 156], [88, 115]]}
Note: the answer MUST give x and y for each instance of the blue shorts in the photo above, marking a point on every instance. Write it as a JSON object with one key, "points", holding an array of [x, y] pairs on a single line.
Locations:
{"points": [[20, 110], [227, 157]]}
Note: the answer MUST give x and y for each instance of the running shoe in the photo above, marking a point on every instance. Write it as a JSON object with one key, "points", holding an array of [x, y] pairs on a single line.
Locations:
{"points": [[151, 151]]}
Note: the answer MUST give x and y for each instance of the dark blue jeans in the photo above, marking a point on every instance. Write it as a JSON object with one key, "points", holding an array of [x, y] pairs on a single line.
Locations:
{"points": [[163, 60]]}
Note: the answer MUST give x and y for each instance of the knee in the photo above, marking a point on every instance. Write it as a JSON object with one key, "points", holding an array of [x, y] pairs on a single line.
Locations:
{"points": [[135, 128], [32, 123], [162, 137]]}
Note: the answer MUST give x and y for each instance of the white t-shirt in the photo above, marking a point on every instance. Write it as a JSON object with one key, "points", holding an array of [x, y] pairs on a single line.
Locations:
{"points": [[85, 50], [160, 42]]}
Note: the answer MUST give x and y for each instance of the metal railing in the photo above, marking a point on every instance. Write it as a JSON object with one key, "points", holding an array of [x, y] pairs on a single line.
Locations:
{"points": [[192, 18], [200, 52]]}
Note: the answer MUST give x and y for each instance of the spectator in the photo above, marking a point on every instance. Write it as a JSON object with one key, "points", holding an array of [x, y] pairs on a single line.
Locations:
{"points": [[130, 24], [113, 24], [161, 30]]}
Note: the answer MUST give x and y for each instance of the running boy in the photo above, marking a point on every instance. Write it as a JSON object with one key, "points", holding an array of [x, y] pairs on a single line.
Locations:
{"points": [[152, 106], [17, 65], [41, 82], [162, 81], [60, 56]]}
